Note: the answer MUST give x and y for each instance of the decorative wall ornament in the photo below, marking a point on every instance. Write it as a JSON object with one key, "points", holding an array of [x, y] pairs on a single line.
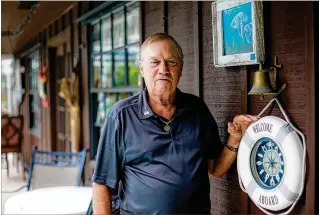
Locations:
{"points": [[42, 80], [271, 163], [72, 101], [238, 37], [262, 85]]}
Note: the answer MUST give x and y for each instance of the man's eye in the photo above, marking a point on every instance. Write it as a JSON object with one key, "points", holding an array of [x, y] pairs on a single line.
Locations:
{"points": [[153, 63], [171, 63]]}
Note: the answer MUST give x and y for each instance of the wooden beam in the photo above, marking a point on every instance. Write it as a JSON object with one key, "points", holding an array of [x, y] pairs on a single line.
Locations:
{"points": [[60, 15], [46, 122], [142, 21], [52, 97], [198, 72], [165, 17], [244, 75], [62, 37], [316, 67], [70, 15], [310, 110], [29, 51], [142, 31]]}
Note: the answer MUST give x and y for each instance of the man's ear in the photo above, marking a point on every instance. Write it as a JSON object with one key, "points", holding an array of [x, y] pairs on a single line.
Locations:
{"points": [[181, 70], [141, 70]]}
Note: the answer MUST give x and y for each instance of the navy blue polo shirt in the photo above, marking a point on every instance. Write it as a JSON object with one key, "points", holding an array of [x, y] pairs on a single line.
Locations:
{"points": [[158, 171]]}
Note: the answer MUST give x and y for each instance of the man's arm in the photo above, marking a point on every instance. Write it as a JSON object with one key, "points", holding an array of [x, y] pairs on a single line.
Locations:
{"points": [[102, 203], [107, 171], [222, 163]]}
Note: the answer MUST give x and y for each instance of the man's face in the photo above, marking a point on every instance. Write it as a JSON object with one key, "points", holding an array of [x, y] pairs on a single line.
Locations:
{"points": [[161, 67]]}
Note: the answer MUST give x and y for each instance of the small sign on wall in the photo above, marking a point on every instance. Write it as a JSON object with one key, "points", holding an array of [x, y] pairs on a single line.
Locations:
{"points": [[238, 32]]}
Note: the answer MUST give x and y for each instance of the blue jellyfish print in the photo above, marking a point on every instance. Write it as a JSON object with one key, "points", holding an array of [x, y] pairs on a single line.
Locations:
{"points": [[237, 29], [238, 23], [248, 31]]}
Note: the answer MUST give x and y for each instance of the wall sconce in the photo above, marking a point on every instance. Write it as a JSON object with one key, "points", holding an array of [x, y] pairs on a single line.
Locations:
{"points": [[262, 85]]}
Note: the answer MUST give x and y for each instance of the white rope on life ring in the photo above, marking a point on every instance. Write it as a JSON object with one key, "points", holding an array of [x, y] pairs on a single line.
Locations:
{"points": [[271, 163]]}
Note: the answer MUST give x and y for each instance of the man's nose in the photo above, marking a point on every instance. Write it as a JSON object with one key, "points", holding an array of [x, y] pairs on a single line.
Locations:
{"points": [[164, 70]]}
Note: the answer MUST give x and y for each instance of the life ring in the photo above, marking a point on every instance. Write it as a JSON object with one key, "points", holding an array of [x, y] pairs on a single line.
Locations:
{"points": [[270, 163]]}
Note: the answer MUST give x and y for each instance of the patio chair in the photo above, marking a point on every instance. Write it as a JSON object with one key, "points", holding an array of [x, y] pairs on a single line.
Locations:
{"points": [[90, 209], [11, 138], [50, 169]]}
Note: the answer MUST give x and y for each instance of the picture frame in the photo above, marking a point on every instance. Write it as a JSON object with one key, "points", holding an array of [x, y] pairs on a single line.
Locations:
{"points": [[238, 32]]}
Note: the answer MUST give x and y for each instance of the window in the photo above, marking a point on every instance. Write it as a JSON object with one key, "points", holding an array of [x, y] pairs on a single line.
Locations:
{"points": [[34, 99], [114, 58], [4, 93]]}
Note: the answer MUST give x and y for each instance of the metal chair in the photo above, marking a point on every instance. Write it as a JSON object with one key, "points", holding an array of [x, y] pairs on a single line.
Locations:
{"points": [[90, 209], [50, 169]]}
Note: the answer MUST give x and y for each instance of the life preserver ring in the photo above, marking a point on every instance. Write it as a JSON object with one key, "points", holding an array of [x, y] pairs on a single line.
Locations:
{"points": [[270, 163]]}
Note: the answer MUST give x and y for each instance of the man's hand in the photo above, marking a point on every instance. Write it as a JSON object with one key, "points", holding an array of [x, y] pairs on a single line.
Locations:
{"points": [[221, 164], [238, 127]]}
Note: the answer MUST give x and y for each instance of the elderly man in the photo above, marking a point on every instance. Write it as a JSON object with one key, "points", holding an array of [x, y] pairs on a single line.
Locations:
{"points": [[159, 146]]}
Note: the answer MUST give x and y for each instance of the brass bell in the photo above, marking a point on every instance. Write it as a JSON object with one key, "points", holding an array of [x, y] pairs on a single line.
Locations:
{"points": [[262, 84]]}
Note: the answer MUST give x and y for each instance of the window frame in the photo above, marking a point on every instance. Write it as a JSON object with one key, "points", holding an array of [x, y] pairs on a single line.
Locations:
{"points": [[34, 124], [121, 7]]}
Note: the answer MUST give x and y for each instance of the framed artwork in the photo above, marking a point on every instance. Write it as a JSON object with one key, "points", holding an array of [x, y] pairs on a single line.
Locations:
{"points": [[238, 32]]}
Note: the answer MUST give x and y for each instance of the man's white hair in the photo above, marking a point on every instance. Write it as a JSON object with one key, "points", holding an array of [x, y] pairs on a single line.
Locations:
{"points": [[160, 37]]}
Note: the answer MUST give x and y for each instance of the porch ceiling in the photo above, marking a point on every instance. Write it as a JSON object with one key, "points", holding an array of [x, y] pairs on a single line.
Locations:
{"points": [[12, 18]]}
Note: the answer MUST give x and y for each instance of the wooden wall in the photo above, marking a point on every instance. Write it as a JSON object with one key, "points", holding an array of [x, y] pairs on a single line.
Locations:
{"points": [[224, 93], [288, 36]]}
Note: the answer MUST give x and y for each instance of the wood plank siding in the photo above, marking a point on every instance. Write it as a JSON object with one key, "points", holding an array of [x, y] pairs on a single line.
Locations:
{"points": [[289, 34]]}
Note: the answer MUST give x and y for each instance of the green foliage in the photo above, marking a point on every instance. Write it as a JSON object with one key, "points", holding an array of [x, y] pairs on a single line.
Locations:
{"points": [[119, 75], [133, 73]]}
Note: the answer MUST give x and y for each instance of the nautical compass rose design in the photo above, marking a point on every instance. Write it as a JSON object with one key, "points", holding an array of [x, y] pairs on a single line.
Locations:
{"points": [[267, 163]]}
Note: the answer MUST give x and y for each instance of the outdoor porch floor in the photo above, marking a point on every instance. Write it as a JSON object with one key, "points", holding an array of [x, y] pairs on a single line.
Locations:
{"points": [[14, 181]]}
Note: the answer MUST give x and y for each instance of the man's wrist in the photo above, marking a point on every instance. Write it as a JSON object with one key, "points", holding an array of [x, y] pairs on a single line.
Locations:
{"points": [[232, 144]]}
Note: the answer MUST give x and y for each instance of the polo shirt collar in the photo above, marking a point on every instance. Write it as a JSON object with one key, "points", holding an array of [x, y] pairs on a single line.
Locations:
{"points": [[145, 111]]}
